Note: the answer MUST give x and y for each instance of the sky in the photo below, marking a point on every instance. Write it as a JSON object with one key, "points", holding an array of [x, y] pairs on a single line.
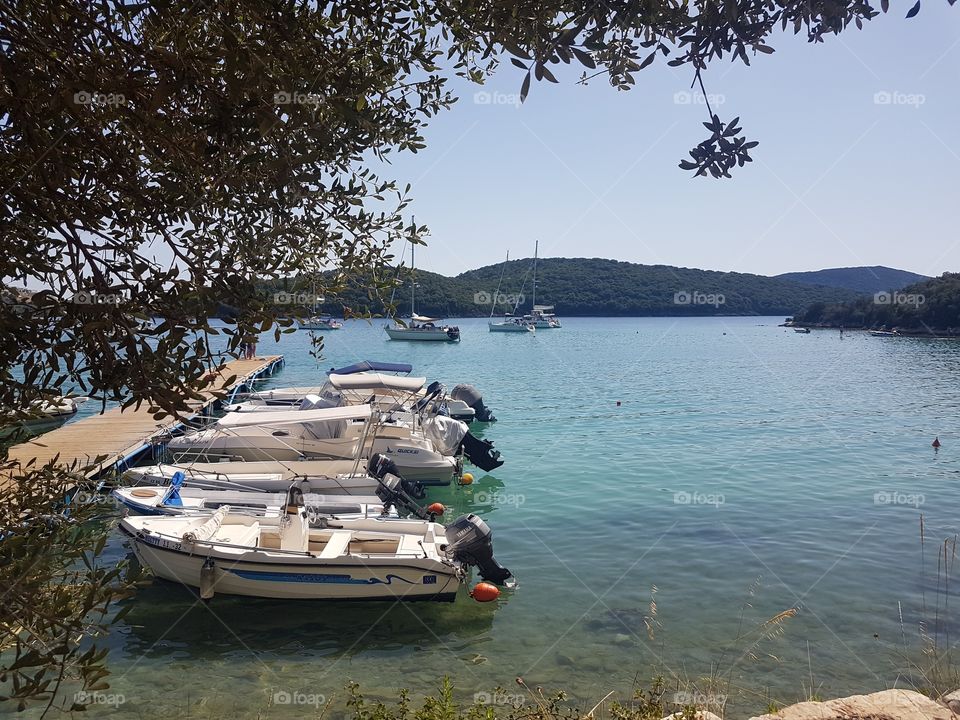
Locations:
{"points": [[858, 162]]}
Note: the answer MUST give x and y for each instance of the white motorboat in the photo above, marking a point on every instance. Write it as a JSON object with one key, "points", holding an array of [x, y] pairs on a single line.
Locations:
{"points": [[284, 557], [802, 330], [885, 333], [43, 415], [320, 322], [420, 327], [293, 435]]}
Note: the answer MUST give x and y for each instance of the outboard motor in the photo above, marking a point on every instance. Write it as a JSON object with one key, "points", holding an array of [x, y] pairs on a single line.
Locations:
{"points": [[470, 540], [481, 452], [453, 333], [380, 466], [471, 396], [433, 389], [391, 491]]}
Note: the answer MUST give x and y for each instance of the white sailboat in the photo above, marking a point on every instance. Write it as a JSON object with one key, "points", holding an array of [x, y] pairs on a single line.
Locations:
{"points": [[420, 327], [319, 322], [541, 316], [509, 323]]}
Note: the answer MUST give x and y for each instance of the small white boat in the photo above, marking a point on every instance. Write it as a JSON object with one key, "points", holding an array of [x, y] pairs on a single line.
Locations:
{"points": [[284, 557], [511, 324], [420, 328], [324, 322], [885, 333], [803, 330], [44, 415]]}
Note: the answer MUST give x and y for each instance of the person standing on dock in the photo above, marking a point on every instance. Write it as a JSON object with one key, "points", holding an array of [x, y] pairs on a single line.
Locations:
{"points": [[251, 350]]}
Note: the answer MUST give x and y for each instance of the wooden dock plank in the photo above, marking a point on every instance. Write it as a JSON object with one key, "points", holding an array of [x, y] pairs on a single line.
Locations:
{"points": [[118, 433]]}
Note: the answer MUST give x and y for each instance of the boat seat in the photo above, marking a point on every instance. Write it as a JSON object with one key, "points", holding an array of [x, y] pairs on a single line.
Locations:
{"points": [[410, 545], [337, 544], [246, 535]]}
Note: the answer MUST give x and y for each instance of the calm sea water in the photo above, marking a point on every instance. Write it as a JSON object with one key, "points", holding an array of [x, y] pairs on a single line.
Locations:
{"points": [[727, 467]]}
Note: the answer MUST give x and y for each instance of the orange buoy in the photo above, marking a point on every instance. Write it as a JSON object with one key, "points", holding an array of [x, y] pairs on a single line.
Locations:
{"points": [[466, 479], [485, 592], [436, 509], [936, 442]]}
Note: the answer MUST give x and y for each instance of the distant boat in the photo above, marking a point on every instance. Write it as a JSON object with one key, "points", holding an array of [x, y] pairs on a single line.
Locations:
{"points": [[419, 327], [540, 316], [803, 330], [324, 322], [885, 333], [509, 323], [44, 415]]}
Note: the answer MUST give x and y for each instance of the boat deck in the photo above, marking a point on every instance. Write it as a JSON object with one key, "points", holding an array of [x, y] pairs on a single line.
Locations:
{"points": [[108, 441]]}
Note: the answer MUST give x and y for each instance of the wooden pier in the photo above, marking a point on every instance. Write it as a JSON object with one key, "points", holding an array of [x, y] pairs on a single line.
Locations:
{"points": [[109, 441]]}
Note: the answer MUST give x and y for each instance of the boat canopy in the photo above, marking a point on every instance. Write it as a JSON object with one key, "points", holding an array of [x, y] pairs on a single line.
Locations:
{"points": [[422, 319], [373, 366], [377, 381], [542, 308], [294, 417]]}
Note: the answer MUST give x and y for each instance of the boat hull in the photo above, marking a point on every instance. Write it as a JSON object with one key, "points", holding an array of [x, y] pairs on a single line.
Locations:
{"points": [[296, 577], [510, 327], [434, 335]]}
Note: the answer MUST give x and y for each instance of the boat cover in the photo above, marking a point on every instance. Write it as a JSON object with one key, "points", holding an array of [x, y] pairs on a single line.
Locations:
{"points": [[445, 433], [377, 381], [373, 366]]}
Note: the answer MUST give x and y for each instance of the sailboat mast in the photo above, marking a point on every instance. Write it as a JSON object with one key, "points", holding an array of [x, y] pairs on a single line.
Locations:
{"points": [[413, 282], [536, 248]]}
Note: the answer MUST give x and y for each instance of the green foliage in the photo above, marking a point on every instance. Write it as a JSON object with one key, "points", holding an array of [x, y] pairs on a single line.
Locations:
{"points": [[594, 287], [928, 307], [56, 593], [862, 279]]}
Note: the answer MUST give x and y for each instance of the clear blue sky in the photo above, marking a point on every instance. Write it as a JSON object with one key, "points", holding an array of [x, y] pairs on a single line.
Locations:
{"points": [[839, 179]]}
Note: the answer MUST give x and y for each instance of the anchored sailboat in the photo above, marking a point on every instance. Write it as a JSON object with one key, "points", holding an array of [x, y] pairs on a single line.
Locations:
{"points": [[420, 327]]}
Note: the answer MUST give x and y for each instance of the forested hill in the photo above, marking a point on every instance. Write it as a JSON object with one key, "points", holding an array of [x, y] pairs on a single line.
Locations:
{"points": [[861, 279], [929, 307], [599, 287]]}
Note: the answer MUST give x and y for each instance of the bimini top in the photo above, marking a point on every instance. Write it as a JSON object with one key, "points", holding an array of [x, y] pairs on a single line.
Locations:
{"points": [[373, 366], [377, 381], [422, 319], [293, 417]]}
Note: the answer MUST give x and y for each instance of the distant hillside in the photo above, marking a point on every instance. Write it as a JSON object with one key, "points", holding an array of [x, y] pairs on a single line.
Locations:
{"points": [[599, 287], [929, 307], [860, 279]]}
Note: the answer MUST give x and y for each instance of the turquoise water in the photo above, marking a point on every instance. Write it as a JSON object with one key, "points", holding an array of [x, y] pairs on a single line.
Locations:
{"points": [[738, 476]]}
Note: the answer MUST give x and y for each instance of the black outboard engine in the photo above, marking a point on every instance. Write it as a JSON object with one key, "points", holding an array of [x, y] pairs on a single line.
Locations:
{"points": [[390, 491], [481, 452], [470, 540], [453, 332], [433, 389], [471, 396], [380, 466]]}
